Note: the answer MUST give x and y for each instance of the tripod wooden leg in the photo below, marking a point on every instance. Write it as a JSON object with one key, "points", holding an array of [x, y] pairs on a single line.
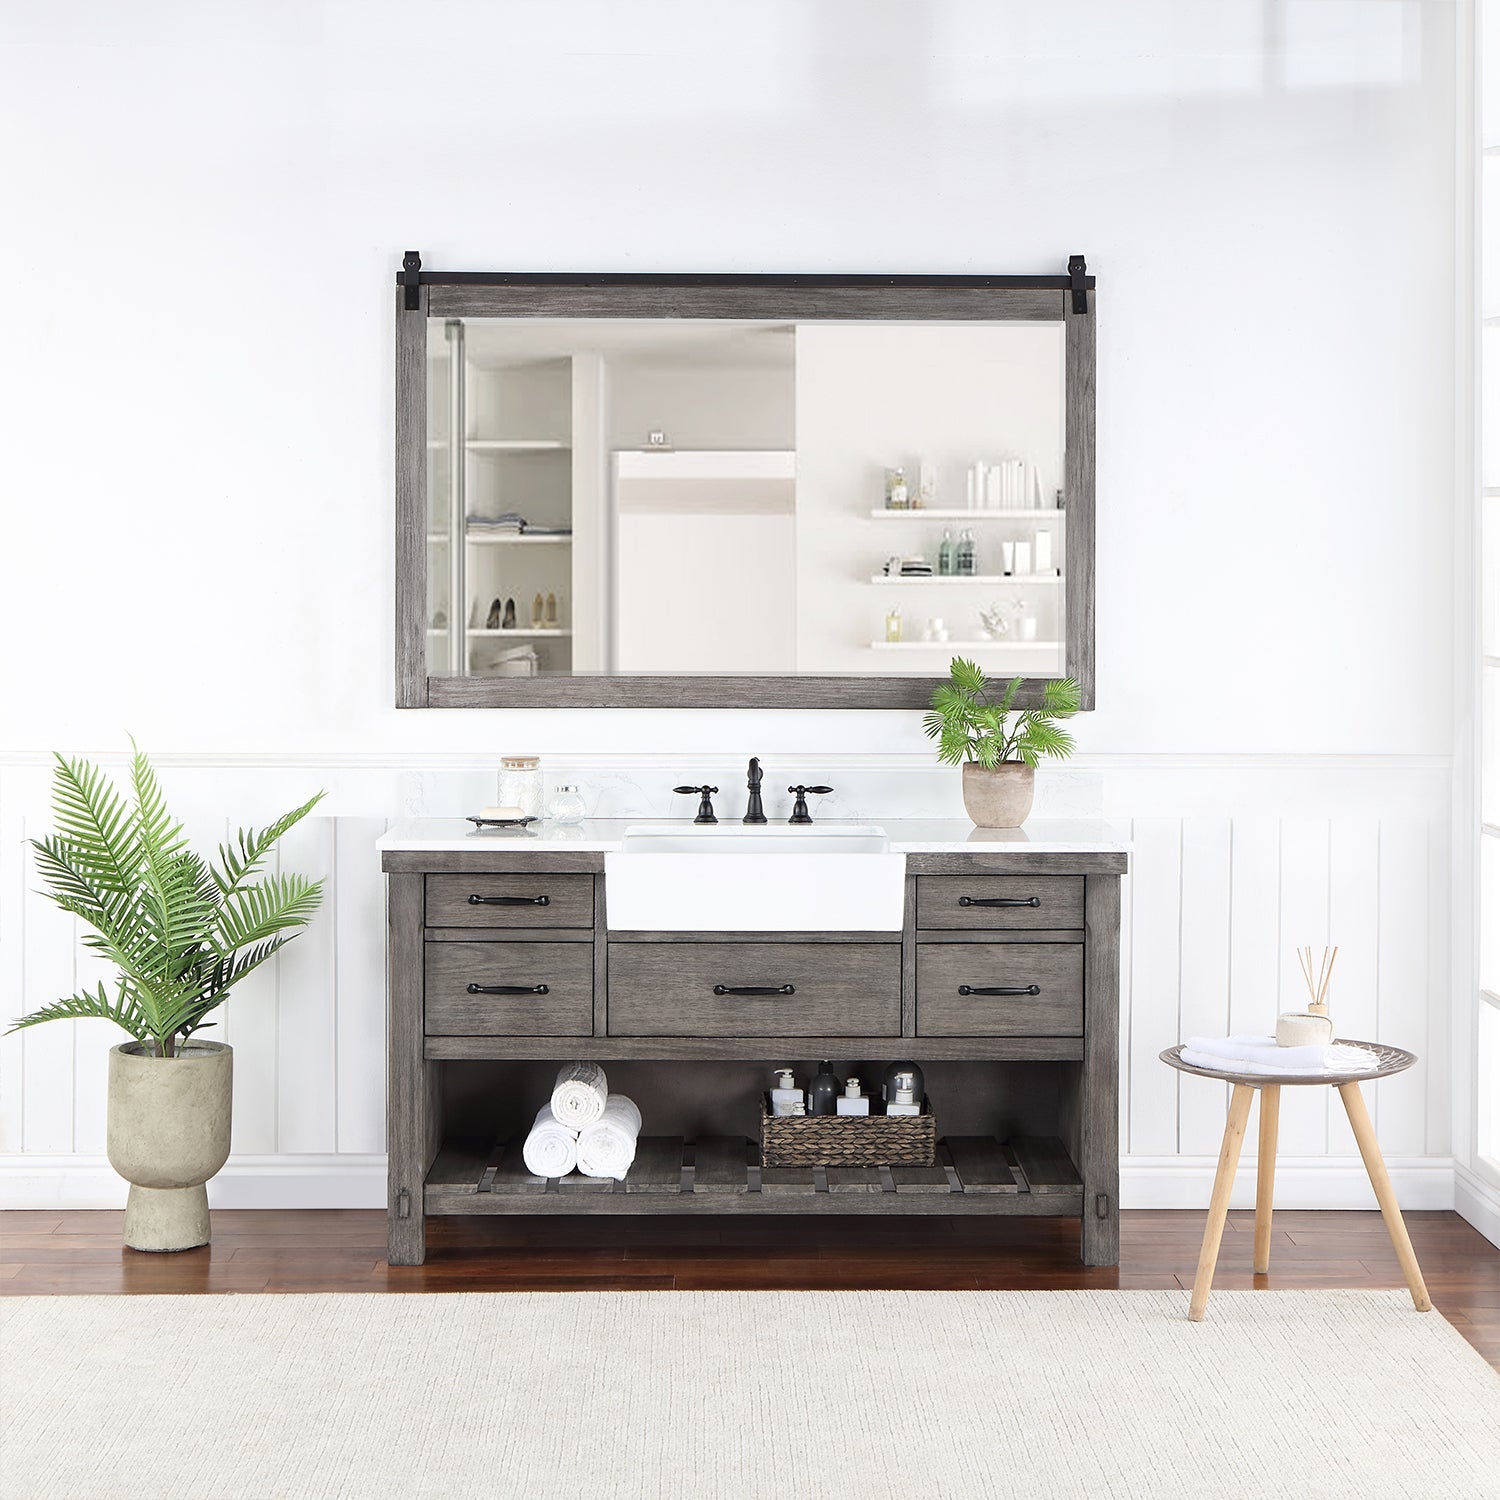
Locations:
{"points": [[1265, 1175], [1385, 1194], [1218, 1206]]}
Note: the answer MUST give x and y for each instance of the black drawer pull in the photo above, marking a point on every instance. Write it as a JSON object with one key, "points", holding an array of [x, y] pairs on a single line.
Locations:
{"points": [[999, 989], [999, 900], [507, 989], [755, 989], [510, 900]]}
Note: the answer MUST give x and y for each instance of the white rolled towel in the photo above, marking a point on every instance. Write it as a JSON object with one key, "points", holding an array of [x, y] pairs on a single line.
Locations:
{"points": [[607, 1147], [551, 1149], [580, 1094]]}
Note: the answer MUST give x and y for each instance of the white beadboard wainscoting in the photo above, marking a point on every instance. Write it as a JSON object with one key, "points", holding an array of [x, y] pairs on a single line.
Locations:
{"points": [[1237, 860]]}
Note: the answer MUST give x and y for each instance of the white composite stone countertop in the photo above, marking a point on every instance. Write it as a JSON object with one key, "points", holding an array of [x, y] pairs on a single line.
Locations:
{"points": [[907, 835]]}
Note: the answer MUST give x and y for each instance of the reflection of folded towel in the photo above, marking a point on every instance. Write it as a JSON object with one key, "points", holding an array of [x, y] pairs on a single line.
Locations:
{"points": [[551, 1150], [607, 1147], [580, 1094], [1260, 1054]]}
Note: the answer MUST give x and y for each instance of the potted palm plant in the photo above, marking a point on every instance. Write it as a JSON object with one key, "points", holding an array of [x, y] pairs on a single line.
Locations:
{"points": [[182, 931], [976, 726]]}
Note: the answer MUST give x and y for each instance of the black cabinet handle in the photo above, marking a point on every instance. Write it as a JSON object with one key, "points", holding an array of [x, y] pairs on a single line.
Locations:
{"points": [[999, 900], [755, 989], [508, 989], [999, 989], [510, 900]]}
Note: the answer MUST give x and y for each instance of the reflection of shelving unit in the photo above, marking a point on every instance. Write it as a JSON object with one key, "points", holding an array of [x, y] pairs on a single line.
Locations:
{"points": [[888, 580], [1007, 645], [966, 515], [515, 445], [525, 632]]}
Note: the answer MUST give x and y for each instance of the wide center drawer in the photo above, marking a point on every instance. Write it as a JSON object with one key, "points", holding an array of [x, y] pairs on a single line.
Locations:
{"points": [[970, 901], [754, 989], [510, 900], [985, 989], [510, 989]]}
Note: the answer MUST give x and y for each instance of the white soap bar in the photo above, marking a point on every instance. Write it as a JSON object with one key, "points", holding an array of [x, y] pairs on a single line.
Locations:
{"points": [[860, 1106], [501, 812]]}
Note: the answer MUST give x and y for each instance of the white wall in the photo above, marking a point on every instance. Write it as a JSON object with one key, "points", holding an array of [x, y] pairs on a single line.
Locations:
{"points": [[196, 387]]}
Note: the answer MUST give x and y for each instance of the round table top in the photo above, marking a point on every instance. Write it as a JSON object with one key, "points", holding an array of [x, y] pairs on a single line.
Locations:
{"points": [[1392, 1060]]}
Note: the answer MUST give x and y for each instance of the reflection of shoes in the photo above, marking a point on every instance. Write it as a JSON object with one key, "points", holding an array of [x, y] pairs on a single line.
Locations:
{"points": [[536, 613], [492, 620], [508, 622], [440, 620], [551, 615]]}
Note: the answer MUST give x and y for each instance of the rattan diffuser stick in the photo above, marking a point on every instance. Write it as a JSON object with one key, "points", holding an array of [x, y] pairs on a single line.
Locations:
{"points": [[1317, 989]]}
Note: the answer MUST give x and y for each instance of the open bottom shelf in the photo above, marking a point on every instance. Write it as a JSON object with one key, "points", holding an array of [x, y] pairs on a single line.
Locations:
{"points": [[723, 1175]]}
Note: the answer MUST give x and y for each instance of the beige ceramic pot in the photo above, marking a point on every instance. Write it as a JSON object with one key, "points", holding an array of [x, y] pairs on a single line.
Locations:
{"points": [[999, 798], [168, 1134]]}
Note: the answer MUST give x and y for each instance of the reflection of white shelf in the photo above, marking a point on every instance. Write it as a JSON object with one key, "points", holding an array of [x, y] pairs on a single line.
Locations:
{"points": [[516, 631], [964, 515], [1006, 645], [514, 445], [923, 580], [511, 539]]}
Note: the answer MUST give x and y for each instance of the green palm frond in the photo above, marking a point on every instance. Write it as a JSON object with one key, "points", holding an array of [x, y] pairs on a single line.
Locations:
{"points": [[180, 931], [971, 726]]}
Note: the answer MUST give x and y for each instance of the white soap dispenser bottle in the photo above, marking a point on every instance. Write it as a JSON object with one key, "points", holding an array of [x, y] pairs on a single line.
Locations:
{"points": [[786, 1098], [851, 1101]]}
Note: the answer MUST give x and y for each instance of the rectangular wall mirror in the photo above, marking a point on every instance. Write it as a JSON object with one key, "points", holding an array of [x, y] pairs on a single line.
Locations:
{"points": [[808, 492]]}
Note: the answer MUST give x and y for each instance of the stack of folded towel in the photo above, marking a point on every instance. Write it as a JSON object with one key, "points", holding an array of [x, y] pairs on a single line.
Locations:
{"points": [[583, 1125], [1260, 1054]]}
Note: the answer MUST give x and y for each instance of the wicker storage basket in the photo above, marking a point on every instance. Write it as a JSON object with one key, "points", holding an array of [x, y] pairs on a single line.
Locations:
{"points": [[847, 1140]]}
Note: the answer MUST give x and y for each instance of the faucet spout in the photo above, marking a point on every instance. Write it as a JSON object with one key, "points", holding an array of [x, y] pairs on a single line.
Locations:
{"points": [[754, 813]]}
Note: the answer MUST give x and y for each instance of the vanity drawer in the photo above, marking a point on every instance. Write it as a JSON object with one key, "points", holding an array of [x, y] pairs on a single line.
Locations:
{"points": [[999, 901], [817, 989], [566, 1009], [945, 969], [510, 900]]}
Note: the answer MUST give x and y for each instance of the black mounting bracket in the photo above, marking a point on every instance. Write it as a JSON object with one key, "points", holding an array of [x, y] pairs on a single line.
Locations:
{"points": [[1077, 270], [411, 279]]}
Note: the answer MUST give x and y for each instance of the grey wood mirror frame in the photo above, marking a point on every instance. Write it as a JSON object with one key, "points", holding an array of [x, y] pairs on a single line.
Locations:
{"points": [[422, 295]]}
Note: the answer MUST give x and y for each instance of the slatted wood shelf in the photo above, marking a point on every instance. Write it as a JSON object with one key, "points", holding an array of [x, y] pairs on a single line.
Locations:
{"points": [[722, 1174]]}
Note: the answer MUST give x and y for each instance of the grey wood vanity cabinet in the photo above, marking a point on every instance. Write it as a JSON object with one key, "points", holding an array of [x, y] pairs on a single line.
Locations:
{"points": [[501, 965]]}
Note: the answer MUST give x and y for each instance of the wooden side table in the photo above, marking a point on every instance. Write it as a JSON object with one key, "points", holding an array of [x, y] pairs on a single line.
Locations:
{"points": [[1392, 1060]]}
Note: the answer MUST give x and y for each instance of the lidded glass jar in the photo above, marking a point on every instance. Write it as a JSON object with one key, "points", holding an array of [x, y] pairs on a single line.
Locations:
{"points": [[521, 784], [566, 806]]}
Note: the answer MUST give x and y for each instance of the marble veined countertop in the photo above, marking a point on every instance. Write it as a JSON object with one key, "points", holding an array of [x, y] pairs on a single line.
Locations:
{"points": [[907, 835]]}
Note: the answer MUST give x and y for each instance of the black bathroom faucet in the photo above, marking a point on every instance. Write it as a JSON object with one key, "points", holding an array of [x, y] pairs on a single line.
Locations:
{"points": [[754, 813]]}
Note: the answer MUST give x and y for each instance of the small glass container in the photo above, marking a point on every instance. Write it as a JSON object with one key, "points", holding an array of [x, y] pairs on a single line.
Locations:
{"points": [[897, 497], [566, 807], [893, 625], [521, 784]]}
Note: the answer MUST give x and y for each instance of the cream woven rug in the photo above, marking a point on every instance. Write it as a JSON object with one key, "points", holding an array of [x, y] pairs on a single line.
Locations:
{"points": [[846, 1395]]}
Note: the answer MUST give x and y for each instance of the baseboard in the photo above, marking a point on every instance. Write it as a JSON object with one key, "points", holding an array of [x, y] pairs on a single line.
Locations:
{"points": [[330, 1180], [1478, 1201], [349, 1181], [1301, 1182]]}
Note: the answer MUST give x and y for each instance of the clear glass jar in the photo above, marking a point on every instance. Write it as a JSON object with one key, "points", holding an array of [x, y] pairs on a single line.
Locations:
{"points": [[566, 806], [521, 784]]}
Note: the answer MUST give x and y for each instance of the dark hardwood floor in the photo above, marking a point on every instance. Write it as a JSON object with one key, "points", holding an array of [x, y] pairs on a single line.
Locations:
{"points": [[71, 1252]]}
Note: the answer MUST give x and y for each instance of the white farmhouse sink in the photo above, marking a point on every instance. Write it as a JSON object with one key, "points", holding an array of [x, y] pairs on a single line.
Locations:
{"points": [[775, 878]]}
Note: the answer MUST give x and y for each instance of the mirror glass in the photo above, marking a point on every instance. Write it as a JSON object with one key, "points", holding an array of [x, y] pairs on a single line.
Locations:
{"points": [[673, 496]]}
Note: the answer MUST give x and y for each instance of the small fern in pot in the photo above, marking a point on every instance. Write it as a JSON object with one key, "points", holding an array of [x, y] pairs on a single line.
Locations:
{"points": [[181, 932], [977, 726]]}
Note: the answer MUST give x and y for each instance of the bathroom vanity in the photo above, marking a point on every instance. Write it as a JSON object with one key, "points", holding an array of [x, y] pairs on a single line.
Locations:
{"points": [[999, 974]]}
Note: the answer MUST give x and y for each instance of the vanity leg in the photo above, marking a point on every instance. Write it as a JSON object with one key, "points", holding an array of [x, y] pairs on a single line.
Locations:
{"points": [[1218, 1206], [1385, 1194], [1098, 1108], [1265, 1175], [412, 1118]]}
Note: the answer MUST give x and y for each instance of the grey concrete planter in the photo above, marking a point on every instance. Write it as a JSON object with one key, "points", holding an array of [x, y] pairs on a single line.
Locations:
{"points": [[999, 798], [168, 1134]]}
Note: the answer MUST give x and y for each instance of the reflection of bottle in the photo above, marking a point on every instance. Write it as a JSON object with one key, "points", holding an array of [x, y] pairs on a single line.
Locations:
{"points": [[964, 564], [895, 490], [945, 556], [893, 624]]}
